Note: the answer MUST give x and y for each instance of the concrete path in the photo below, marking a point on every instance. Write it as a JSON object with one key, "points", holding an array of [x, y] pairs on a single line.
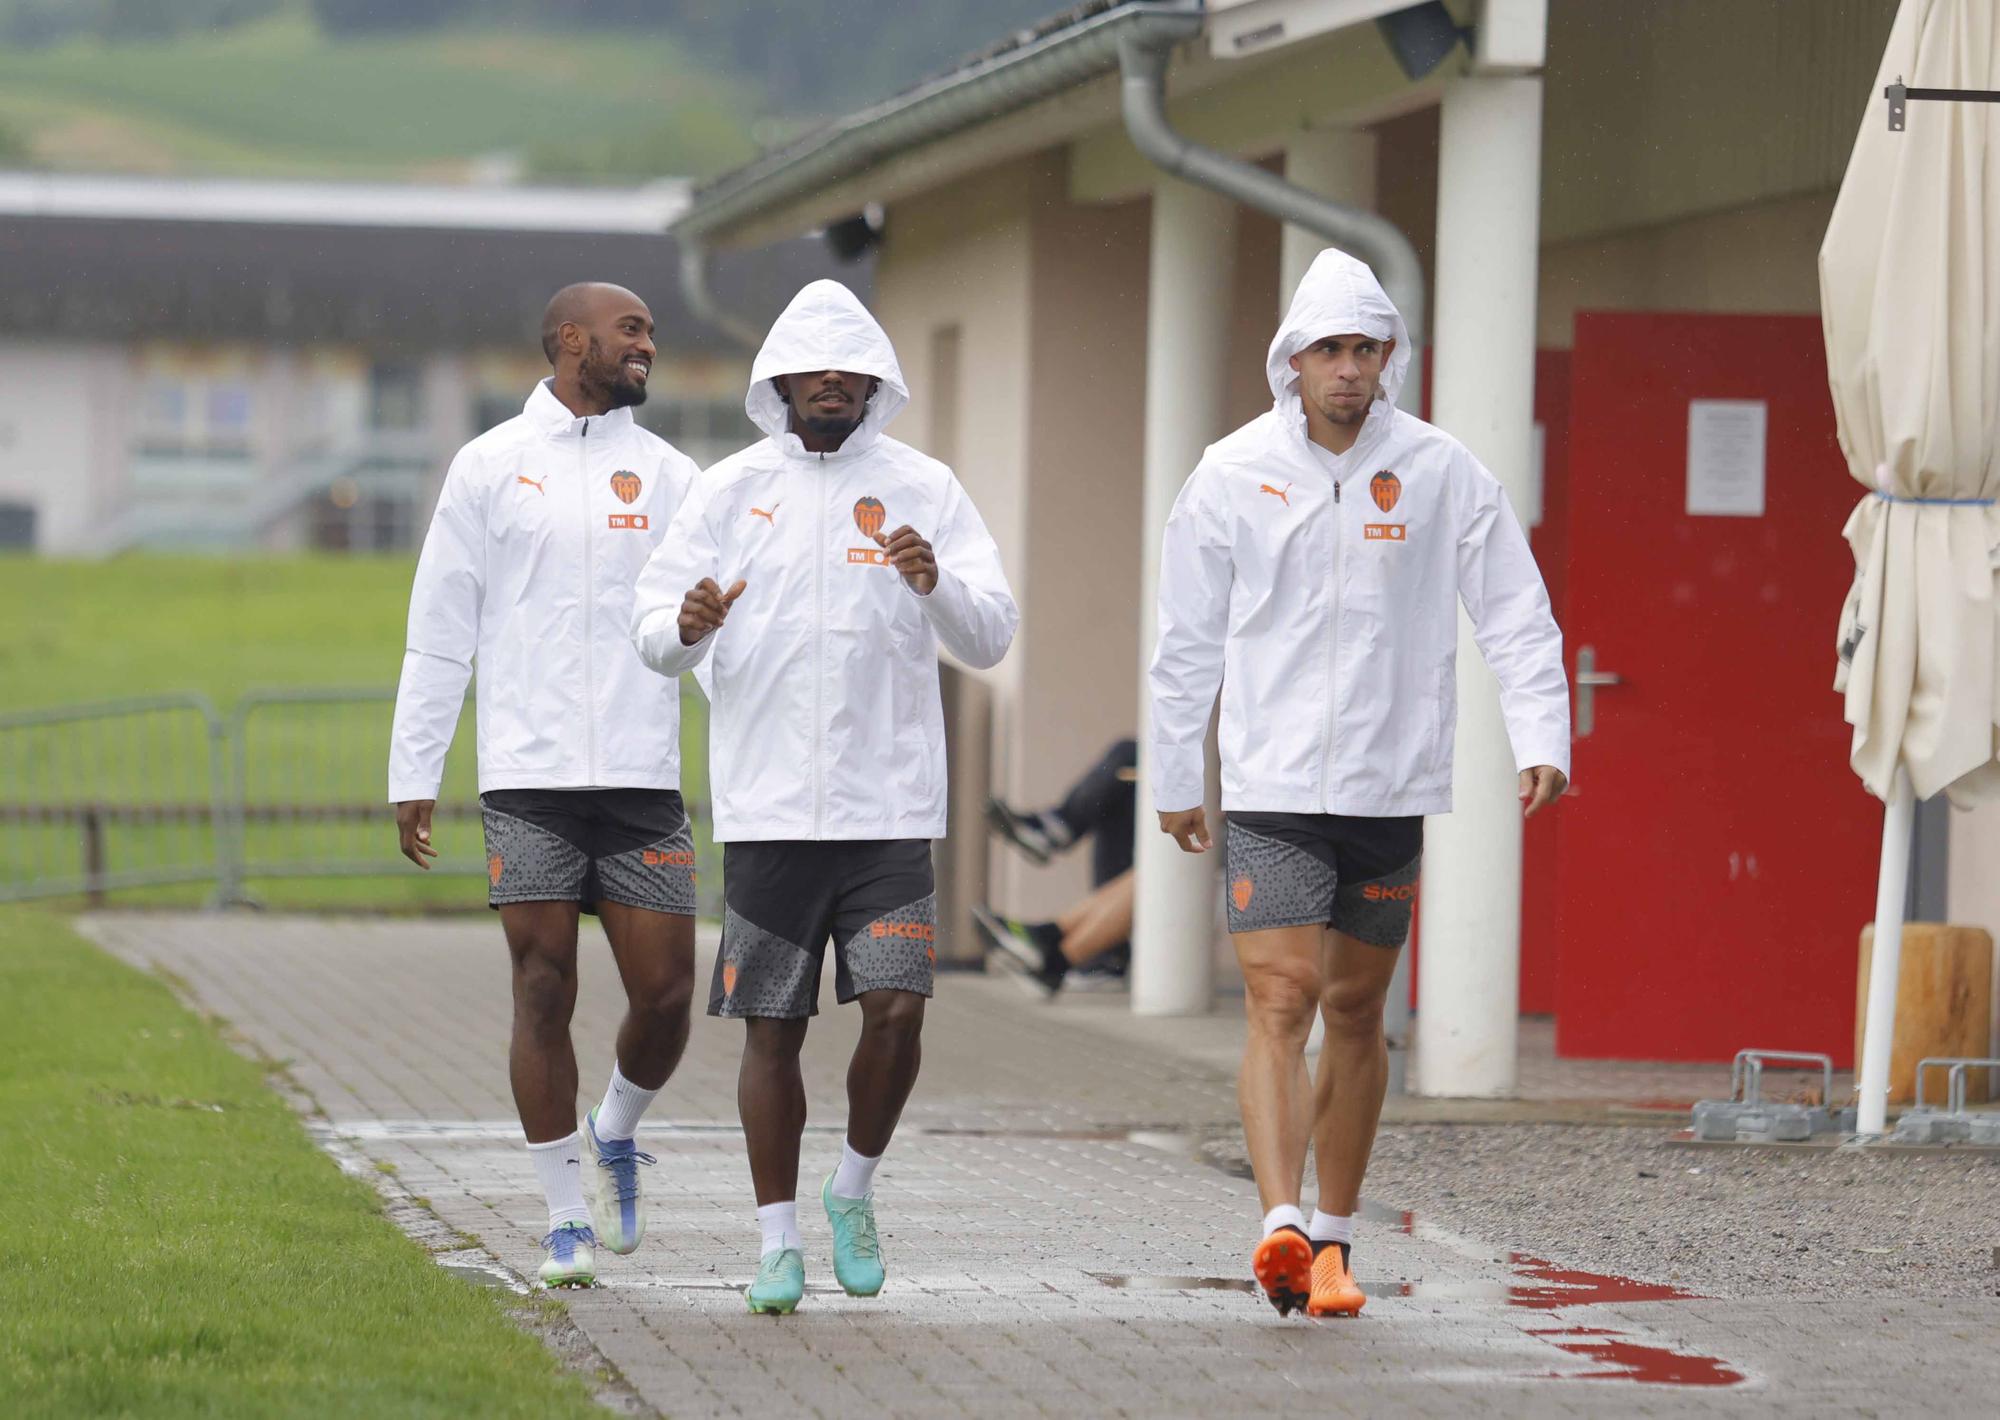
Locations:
{"points": [[1055, 1245]]}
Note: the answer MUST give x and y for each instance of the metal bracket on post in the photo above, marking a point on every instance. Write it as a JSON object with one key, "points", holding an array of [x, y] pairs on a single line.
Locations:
{"points": [[1899, 95], [1922, 1123], [1747, 1117]]}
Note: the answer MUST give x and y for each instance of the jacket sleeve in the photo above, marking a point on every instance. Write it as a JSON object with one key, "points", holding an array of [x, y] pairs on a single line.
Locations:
{"points": [[443, 636], [971, 608], [1517, 634], [685, 555], [1195, 575]]}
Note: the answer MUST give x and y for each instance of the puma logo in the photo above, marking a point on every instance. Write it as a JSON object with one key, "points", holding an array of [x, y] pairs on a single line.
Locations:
{"points": [[534, 483], [767, 517], [1283, 495]]}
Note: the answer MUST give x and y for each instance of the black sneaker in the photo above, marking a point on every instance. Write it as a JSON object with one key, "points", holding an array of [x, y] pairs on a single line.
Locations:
{"points": [[1039, 835], [1031, 952]]}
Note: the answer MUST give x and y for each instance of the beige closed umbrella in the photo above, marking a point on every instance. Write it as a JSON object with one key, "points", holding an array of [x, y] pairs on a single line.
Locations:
{"points": [[1910, 294]]}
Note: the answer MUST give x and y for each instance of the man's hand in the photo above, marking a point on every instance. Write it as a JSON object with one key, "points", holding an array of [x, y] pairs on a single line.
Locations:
{"points": [[912, 556], [1542, 785], [704, 609], [1189, 828], [413, 826]]}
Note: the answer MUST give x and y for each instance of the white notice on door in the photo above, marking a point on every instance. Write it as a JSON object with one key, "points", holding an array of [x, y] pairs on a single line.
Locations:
{"points": [[1726, 457]]}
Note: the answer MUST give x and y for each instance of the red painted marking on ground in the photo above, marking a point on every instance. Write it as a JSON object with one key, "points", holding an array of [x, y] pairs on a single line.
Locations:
{"points": [[1567, 1287], [1630, 1361]]}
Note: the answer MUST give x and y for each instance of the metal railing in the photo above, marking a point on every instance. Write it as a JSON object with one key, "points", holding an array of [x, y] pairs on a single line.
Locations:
{"points": [[164, 790], [120, 794]]}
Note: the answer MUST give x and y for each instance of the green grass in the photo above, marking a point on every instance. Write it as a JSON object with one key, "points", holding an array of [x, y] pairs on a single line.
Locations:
{"points": [[74, 632], [278, 97], [179, 1248]]}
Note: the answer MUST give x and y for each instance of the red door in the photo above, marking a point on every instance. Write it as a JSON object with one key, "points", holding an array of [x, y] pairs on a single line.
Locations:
{"points": [[1717, 862]]}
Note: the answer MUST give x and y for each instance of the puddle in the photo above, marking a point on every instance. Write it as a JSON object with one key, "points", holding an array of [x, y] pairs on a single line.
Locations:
{"points": [[1173, 1284], [1629, 1361], [469, 1264]]}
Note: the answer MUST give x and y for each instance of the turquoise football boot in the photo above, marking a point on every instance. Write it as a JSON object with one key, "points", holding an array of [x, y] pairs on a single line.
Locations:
{"points": [[857, 1252]]}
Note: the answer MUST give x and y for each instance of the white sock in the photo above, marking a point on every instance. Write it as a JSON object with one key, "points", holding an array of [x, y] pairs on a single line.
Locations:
{"points": [[1328, 1228], [856, 1174], [624, 1102], [780, 1222], [559, 1166], [1285, 1215]]}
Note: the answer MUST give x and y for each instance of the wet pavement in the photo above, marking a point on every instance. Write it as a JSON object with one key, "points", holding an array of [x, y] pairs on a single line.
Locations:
{"points": [[1056, 1244]]}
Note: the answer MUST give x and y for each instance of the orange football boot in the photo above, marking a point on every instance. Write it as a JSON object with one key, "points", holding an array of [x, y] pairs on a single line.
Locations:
{"points": [[1284, 1268], [1333, 1290]]}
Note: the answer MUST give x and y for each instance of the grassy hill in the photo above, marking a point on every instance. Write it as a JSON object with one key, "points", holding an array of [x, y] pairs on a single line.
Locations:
{"points": [[278, 96]]}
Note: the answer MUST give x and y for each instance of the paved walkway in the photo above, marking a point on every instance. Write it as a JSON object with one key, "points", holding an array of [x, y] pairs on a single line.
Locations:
{"points": [[1054, 1245]]}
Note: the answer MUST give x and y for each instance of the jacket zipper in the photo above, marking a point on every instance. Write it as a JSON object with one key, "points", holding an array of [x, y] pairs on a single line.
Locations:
{"points": [[1332, 658], [589, 596], [819, 661]]}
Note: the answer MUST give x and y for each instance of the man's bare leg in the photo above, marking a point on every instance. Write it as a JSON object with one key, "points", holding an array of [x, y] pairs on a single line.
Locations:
{"points": [[541, 1062], [1353, 1067], [1099, 921], [1281, 990], [655, 956]]}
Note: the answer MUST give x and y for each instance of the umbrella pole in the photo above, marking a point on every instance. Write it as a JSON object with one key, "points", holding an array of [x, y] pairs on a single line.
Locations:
{"points": [[1891, 886]]}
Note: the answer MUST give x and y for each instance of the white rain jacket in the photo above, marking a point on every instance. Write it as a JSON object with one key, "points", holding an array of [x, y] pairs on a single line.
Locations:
{"points": [[541, 529], [826, 719], [1321, 593]]}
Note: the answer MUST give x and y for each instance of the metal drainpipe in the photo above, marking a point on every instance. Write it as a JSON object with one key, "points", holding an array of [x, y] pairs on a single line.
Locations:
{"points": [[701, 297], [1144, 49]]}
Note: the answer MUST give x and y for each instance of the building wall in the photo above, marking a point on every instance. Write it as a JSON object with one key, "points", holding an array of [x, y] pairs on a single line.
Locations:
{"points": [[58, 406], [1662, 109], [1763, 257]]}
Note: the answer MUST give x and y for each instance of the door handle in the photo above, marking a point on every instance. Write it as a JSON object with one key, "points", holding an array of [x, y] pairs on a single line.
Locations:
{"points": [[1588, 680]]}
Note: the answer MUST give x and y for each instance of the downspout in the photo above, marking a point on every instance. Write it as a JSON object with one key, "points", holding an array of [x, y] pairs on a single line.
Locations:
{"points": [[1145, 46], [700, 297]]}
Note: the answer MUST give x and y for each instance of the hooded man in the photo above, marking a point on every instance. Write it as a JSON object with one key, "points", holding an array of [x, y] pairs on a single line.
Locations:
{"points": [[844, 559], [1311, 568], [542, 524]]}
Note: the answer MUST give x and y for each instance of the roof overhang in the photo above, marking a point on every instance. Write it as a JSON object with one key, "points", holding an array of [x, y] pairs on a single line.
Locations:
{"points": [[1058, 84]]}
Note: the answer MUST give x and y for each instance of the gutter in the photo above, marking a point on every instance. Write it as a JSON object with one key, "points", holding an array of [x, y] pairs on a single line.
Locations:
{"points": [[1138, 39]]}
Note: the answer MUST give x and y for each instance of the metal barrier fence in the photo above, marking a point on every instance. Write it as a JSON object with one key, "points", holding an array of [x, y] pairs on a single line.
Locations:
{"points": [[122, 794], [164, 790]]}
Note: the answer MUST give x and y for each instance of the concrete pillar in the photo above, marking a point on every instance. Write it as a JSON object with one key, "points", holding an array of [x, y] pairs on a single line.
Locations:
{"points": [[1333, 162], [1489, 192], [1187, 343]]}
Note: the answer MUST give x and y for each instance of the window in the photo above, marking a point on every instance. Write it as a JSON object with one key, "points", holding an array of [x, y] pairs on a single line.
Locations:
{"points": [[395, 397], [706, 430]]}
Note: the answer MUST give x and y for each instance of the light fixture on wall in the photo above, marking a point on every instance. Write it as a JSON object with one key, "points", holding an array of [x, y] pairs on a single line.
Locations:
{"points": [[1422, 36], [851, 238]]}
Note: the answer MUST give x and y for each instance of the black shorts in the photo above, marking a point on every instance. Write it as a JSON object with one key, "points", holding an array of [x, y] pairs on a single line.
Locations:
{"points": [[1356, 875], [631, 846], [782, 900]]}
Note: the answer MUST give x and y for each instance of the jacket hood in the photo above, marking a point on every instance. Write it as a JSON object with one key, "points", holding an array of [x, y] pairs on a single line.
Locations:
{"points": [[1338, 296], [826, 328]]}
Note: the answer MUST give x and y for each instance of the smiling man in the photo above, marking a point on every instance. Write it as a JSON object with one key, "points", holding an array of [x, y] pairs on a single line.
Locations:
{"points": [[543, 525], [812, 578], [1319, 553]]}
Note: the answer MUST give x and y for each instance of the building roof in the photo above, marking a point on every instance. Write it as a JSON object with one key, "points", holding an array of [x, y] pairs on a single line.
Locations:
{"points": [[394, 289], [488, 207], [1031, 64]]}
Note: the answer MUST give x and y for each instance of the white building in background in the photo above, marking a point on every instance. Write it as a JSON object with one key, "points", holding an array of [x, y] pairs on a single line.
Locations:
{"points": [[223, 364]]}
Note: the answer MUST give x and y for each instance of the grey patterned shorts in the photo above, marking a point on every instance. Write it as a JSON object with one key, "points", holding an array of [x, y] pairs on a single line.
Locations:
{"points": [[1356, 875], [631, 846], [876, 899]]}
